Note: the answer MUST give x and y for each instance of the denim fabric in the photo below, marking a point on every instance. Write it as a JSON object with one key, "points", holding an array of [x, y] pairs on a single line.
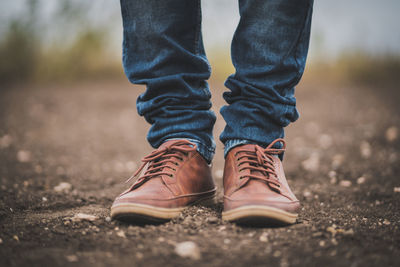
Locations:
{"points": [[163, 49]]}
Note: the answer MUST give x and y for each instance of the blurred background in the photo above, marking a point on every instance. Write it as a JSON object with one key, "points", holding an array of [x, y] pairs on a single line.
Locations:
{"points": [[72, 40], [70, 136]]}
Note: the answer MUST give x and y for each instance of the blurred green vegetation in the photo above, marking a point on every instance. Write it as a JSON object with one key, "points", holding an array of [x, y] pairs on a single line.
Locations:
{"points": [[26, 56], [356, 67]]}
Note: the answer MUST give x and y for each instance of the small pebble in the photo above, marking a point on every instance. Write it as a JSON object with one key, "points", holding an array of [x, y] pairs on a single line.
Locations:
{"points": [[306, 194], [317, 234], [337, 160], [331, 230], [391, 134], [264, 237], [24, 156], [63, 187], [83, 217], [212, 219], [365, 150], [188, 249], [121, 234], [277, 254], [71, 258], [396, 189], [44, 199], [345, 183], [139, 255], [108, 219], [322, 243], [386, 222], [348, 232], [1, 241], [15, 237], [361, 180]]}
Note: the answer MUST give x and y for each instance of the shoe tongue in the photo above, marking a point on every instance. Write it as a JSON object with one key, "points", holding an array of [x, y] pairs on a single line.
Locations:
{"points": [[169, 142], [248, 146]]}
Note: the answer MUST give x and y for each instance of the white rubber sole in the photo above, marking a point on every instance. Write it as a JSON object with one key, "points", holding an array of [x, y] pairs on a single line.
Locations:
{"points": [[142, 213], [254, 214]]}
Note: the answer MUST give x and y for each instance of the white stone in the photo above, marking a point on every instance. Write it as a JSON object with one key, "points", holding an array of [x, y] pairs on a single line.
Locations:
{"points": [[361, 180], [24, 156], [121, 233], [83, 217], [345, 183], [337, 161], [365, 150], [63, 187], [264, 237], [332, 174], [391, 134], [188, 249], [396, 189], [71, 258]]}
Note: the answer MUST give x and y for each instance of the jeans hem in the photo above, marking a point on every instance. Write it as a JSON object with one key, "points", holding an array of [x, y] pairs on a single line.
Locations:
{"points": [[205, 151], [231, 143]]}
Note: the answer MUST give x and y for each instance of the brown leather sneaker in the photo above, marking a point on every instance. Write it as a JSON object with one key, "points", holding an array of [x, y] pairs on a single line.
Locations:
{"points": [[171, 178], [255, 187]]}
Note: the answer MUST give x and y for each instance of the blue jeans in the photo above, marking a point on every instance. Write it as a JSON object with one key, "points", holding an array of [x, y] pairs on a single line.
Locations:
{"points": [[163, 49]]}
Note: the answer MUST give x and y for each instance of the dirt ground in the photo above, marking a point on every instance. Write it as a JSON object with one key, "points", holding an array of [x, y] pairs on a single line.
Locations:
{"points": [[66, 150]]}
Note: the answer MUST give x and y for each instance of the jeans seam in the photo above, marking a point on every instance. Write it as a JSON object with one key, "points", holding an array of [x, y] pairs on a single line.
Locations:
{"points": [[197, 31], [298, 76]]}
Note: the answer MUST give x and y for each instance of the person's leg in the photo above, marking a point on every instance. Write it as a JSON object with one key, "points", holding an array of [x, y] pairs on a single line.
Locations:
{"points": [[269, 51], [163, 49]]}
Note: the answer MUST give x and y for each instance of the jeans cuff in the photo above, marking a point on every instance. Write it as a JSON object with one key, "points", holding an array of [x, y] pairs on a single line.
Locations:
{"points": [[205, 151], [231, 143]]}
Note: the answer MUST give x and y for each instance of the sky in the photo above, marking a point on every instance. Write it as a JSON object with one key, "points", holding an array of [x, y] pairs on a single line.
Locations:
{"points": [[338, 26]]}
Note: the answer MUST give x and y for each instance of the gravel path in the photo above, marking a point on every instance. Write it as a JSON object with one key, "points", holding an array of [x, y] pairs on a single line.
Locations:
{"points": [[65, 152]]}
